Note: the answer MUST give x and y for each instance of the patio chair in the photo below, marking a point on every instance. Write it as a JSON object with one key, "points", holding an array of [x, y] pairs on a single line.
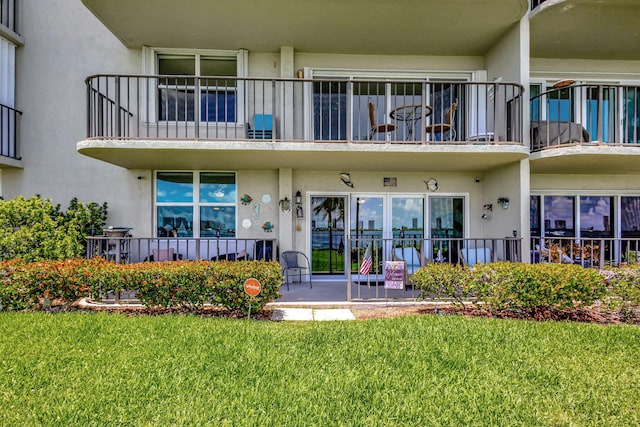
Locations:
{"points": [[378, 128], [439, 130], [472, 256], [262, 127], [160, 255], [295, 263], [410, 256]]}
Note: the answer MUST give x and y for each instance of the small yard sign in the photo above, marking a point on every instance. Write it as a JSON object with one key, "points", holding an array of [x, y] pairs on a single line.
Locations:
{"points": [[394, 274], [252, 287]]}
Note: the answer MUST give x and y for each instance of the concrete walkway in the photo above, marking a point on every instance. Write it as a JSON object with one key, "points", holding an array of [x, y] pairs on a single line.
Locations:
{"points": [[306, 314]]}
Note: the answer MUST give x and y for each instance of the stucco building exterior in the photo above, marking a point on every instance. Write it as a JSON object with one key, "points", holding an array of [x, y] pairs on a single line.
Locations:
{"points": [[390, 120]]}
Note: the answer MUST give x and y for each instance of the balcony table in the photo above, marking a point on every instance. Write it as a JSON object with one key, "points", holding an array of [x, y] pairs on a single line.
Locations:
{"points": [[410, 114]]}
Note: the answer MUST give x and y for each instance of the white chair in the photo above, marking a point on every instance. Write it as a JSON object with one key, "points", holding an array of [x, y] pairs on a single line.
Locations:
{"points": [[160, 255], [472, 256], [410, 256]]}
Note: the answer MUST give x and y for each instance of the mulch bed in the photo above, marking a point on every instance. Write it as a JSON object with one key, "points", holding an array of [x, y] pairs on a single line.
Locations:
{"points": [[594, 314]]}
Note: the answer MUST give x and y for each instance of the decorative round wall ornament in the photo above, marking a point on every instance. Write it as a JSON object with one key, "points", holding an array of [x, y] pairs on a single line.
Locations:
{"points": [[266, 198], [246, 223], [432, 184]]}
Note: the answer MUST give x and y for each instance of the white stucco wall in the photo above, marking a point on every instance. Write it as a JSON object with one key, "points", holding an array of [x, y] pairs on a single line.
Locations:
{"points": [[65, 43], [585, 183], [585, 69], [503, 182]]}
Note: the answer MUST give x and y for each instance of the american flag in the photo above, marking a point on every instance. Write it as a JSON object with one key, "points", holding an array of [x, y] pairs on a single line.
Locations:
{"points": [[365, 267]]}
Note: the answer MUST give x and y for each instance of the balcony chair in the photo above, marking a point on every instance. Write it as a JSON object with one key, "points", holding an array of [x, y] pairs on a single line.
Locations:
{"points": [[438, 130], [378, 128], [262, 127], [295, 262]]}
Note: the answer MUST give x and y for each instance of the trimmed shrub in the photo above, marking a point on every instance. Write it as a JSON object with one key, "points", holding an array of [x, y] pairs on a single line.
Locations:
{"points": [[166, 284], [35, 229], [624, 290], [505, 285]]}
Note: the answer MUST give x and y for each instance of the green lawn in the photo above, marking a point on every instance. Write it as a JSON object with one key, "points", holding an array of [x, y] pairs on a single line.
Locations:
{"points": [[99, 369]]}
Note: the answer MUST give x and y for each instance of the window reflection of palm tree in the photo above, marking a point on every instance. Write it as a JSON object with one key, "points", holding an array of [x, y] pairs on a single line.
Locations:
{"points": [[331, 207]]}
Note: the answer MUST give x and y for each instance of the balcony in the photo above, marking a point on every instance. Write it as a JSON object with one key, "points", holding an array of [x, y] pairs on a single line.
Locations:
{"points": [[8, 14], [584, 29], [347, 27], [586, 127], [155, 122], [9, 156]]}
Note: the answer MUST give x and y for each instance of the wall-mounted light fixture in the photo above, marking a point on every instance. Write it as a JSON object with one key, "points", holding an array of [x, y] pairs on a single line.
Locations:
{"points": [[504, 201], [285, 204], [299, 210]]}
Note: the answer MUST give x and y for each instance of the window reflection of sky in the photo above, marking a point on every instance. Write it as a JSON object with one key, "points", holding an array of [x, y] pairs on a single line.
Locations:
{"points": [[593, 211], [174, 192], [369, 211], [557, 209], [405, 210]]}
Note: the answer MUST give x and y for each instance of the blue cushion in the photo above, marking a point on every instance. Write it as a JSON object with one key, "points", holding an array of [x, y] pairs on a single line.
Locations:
{"points": [[263, 122]]}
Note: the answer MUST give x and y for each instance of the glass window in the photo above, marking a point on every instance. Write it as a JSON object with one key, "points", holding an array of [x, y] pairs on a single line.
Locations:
{"points": [[630, 216], [174, 187], [175, 221], [330, 111], [407, 218], [447, 216], [177, 95], [196, 204], [559, 213], [217, 221], [217, 187], [534, 215], [595, 216]]}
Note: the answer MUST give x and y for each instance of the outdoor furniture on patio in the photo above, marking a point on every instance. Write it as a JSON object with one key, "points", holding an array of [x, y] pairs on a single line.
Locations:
{"points": [[473, 256], [410, 114], [410, 256], [296, 263], [546, 133], [262, 127], [160, 255], [378, 128], [437, 131]]}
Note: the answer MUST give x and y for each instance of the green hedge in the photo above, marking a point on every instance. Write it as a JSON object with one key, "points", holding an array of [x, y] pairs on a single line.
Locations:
{"points": [[167, 284], [624, 290], [505, 285], [35, 229]]}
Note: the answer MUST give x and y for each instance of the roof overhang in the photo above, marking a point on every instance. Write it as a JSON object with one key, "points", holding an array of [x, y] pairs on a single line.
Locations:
{"points": [[586, 159], [399, 27], [587, 29], [253, 155]]}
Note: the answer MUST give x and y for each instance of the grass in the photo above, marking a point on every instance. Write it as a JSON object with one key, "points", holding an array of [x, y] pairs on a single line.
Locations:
{"points": [[99, 369]]}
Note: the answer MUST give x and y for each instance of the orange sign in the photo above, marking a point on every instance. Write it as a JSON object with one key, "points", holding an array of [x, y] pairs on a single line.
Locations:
{"points": [[252, 287]]}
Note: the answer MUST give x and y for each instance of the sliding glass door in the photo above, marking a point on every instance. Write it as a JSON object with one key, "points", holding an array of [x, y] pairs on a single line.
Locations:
{"points": [[328, 238]]}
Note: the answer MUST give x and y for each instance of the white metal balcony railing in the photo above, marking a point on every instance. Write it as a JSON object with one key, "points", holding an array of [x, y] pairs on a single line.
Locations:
{"points": [[586, 114], [595, 252], [8, 14], [8, 132], [299, 110]]}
